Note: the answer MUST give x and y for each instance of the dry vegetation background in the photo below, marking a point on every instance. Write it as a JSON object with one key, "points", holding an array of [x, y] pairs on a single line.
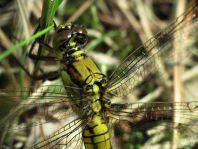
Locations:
{"points": [[115, 28]]}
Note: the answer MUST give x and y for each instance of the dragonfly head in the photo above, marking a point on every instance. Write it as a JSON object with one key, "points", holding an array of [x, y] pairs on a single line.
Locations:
{"points": [[70, 32], [79, 34]]}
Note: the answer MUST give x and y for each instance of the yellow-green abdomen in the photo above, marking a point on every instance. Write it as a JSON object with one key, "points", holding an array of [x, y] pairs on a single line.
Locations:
{"points": [[96, 134]]}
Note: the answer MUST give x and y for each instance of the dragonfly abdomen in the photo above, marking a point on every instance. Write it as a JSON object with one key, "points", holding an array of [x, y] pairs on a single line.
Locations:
{"points": [[96, 134]]}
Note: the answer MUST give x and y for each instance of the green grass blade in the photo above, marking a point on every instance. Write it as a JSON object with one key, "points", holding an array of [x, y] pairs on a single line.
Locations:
{"points": [[24, 42], [48, 12]]}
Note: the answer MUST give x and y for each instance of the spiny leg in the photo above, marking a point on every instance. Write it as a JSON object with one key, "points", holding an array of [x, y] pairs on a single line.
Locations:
{"points": [[49, 75], [38, 57], [42, 45]]}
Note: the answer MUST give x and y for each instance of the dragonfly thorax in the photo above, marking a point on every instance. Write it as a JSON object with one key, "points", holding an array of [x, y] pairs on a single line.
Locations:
{"points": [[95, 83], [94, 87], [71, 53]]}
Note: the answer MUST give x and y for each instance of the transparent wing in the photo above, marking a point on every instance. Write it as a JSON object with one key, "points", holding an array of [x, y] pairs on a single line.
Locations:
{"points": [[69, 136], [50, 102], [44, 107], [147, 117], [145, 59]]}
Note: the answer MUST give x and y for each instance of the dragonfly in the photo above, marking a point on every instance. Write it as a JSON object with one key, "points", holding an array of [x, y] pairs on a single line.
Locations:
{"points": [[91, 96]]}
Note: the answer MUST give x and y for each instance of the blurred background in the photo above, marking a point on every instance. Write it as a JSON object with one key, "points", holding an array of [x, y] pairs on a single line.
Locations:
{"points": [[115, 29]]}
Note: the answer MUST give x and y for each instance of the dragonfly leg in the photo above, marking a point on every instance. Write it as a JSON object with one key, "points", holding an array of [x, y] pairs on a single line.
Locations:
{"points": [[43, 45], [55, 26], [53, 75], [49, 75]]}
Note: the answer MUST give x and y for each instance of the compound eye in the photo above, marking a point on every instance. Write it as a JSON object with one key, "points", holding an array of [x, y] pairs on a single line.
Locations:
{"points": [[64, 28]]}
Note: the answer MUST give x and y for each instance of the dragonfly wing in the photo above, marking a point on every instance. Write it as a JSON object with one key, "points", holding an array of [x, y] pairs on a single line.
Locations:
{"points": [[49, 104], [69, 136], [140, 115], [42, 91], [144, 60], [46, 104]]}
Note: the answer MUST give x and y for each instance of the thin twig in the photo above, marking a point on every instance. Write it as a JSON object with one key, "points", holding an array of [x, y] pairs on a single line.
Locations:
{"points": [[147, 30], [81, 10], [177, 84]]}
